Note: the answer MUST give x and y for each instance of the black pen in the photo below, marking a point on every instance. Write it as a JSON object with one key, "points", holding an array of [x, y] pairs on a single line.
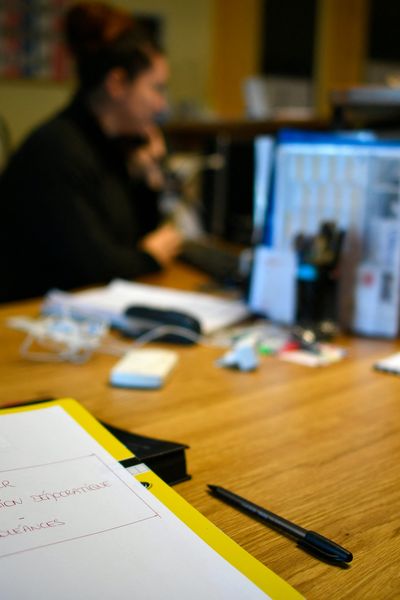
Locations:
{"points": [[313, 542]]}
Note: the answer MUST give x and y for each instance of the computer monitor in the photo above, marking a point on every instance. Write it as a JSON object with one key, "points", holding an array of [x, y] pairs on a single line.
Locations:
{"points": [[234, 206], [353, 181], [234, 197]]}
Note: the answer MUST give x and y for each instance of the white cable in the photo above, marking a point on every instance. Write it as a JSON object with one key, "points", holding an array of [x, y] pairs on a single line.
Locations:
{"points": [[66, 339], [162, 330]]}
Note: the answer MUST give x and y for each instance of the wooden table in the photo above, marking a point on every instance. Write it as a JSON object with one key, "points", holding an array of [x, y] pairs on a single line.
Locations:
{"points": [[318, 446]]}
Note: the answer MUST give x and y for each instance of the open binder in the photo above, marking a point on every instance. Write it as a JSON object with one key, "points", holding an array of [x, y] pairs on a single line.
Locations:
{"points": [[75, 523]]}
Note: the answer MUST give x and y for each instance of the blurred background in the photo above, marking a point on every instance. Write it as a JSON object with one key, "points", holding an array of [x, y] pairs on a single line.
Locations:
{"points": [[230, 59]]}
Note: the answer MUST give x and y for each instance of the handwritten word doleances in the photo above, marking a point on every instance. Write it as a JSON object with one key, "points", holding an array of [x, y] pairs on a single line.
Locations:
{"points": [[20, 529], [56, 496]]}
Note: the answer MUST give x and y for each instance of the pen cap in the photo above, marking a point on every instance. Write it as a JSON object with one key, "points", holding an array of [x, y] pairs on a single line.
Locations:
{"points": [[323, 548]]}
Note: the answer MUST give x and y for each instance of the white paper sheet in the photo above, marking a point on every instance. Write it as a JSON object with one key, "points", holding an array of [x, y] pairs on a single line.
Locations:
{"points": [[273, 284], [110, 303], [75, 524]]}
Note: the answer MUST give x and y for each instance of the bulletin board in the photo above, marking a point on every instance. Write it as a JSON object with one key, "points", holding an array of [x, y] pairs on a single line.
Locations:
{"points": [[31, 40]]}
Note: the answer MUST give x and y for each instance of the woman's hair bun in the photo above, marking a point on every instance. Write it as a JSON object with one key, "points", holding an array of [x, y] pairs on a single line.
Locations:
{"points": [[101, 37], [92, 26]]}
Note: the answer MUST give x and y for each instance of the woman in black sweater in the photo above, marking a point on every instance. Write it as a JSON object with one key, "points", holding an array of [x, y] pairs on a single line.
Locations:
{"points": [[78, 200]]}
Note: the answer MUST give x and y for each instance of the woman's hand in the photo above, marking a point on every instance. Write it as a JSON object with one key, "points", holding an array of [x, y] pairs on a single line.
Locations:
{"points": [[145, 161], [164, 243]]}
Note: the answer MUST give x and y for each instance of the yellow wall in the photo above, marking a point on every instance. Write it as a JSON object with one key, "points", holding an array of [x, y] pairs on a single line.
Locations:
{"points": [[23, 104], [187, 43], [236, 35], [341, 47]]}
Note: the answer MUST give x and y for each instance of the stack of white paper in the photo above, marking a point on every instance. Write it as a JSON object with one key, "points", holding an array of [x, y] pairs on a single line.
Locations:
{"points": [[75, 524], [110, 303]]}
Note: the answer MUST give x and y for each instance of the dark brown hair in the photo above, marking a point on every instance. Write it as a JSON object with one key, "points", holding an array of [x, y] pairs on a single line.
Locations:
{"points": [[101, 37]]}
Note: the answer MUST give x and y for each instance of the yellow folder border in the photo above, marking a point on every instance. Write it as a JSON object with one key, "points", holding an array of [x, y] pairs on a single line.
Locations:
{"points": [[254, 570]]}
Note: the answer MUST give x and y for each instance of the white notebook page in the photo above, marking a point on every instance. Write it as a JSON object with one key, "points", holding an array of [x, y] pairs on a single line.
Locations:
{"points": [[75, 524]]}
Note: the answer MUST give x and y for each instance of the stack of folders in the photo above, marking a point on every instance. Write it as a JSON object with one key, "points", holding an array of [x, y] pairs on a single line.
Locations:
{"points": [[167, 459], [68, 500]]}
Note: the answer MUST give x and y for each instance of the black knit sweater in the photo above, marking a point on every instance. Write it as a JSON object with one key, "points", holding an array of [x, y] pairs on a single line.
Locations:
{"points": [[70, 215]]}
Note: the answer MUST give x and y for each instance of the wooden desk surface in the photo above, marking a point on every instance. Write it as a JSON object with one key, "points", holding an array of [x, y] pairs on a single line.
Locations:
{"points": [[318, 446]]}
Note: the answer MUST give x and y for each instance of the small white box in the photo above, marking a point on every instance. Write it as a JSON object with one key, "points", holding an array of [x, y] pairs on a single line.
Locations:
{"points": [[143, 368], [273, 284]]}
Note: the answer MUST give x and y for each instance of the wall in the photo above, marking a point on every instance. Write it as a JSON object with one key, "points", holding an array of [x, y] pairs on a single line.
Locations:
{"points": [[187, 42], [341, 47], [24, 103], [212, 47], [235, 46]]}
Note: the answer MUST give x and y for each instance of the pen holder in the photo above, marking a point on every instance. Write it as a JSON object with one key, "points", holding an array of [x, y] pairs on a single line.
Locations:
{"points": [[318, 276]]}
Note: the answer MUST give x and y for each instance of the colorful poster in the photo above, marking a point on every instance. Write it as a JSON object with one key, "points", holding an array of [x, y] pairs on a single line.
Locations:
{"points": [[31, 40]]}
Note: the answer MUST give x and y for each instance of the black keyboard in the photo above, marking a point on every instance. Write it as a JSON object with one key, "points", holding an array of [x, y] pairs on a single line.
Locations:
{"points": [[220, 263]]}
